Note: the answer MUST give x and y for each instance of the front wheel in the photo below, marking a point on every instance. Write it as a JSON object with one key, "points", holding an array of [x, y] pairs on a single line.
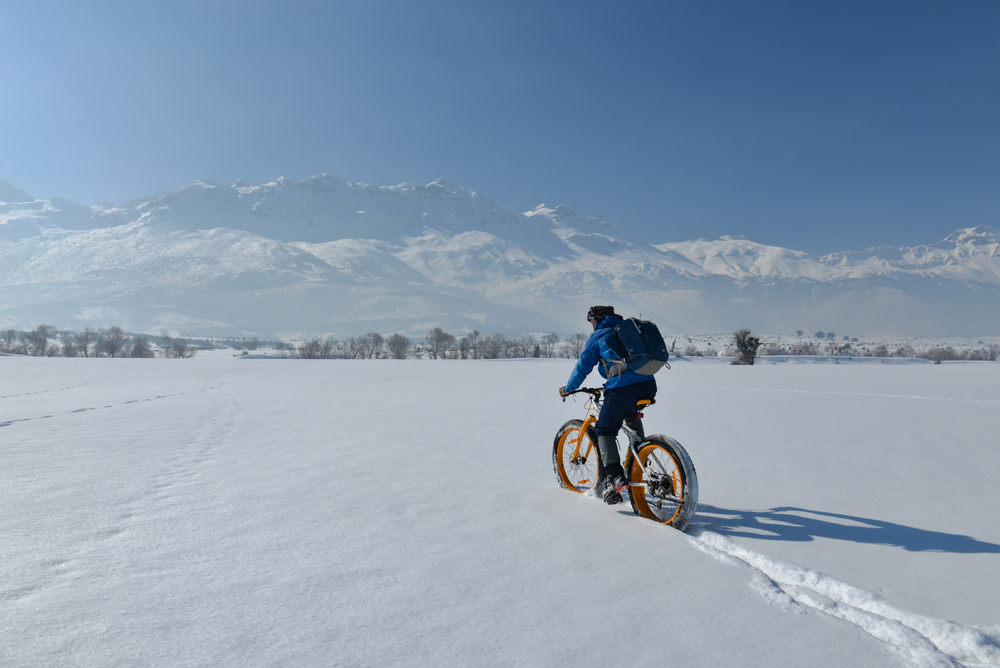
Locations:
{"points": [[576, 462], [663, 484]]}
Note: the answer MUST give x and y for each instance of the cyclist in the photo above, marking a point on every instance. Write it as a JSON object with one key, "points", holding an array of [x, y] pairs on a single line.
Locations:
{"points": [[621, 392]]}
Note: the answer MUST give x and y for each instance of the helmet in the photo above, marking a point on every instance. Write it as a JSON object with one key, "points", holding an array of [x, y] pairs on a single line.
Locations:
{"points": [[598, 313]]}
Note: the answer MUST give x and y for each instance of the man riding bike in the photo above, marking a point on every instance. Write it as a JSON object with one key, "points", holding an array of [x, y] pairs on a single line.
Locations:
{"points": [[621, 393]]}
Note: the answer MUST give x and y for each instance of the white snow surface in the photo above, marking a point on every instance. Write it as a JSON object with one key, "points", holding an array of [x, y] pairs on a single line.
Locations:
{"points": [[275, 512]]}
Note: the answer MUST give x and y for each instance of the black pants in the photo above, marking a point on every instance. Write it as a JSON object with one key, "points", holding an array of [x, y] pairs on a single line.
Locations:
{"points": [[619, 403]]}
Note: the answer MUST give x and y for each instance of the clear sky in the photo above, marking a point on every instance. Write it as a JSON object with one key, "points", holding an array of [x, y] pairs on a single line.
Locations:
{"points": [[819, 126]]}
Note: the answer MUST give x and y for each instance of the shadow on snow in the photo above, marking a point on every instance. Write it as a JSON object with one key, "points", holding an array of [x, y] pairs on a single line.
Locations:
{"points": [[799, 524]]}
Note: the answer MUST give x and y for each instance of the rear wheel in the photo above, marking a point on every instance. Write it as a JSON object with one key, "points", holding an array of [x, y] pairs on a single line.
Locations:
{"points": [[663, 484], [576, 462]]}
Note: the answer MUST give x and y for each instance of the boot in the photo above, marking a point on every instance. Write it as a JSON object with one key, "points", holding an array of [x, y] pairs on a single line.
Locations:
{"points": [[614, 484], [608, 448], [614, 475]]}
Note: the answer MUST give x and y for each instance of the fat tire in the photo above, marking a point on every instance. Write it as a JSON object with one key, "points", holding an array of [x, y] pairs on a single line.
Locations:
{"points": [[688, 504], [577, 478]]}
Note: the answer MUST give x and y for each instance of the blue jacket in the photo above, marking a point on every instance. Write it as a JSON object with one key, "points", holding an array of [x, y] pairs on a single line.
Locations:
{"points": [[596, 349]]}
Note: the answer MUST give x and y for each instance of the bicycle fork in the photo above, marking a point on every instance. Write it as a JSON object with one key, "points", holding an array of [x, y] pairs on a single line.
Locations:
{"points": [[579, 439]]}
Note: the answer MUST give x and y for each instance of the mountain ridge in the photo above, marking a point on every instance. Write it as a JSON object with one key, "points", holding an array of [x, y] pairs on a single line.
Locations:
{"points": [[351, 256]]}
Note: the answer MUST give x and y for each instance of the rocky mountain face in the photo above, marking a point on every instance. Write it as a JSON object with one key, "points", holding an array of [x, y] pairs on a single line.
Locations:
{"points": [[324, 256]]}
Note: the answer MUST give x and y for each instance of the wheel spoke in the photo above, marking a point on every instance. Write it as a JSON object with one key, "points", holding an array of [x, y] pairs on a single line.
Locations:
{"points": [[573, 458], [652, 455], [659, 500]]}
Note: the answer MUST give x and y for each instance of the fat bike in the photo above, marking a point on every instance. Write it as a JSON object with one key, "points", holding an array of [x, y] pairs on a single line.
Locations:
{"points": [[662, 482]]}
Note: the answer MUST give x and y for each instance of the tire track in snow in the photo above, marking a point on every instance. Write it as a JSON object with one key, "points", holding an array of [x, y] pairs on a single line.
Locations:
{"points": [[919, 641]]}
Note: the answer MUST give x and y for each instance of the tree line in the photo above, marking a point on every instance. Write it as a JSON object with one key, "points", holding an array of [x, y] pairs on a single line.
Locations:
{"points": [[439, 344], [47, 341], [746, 348]]}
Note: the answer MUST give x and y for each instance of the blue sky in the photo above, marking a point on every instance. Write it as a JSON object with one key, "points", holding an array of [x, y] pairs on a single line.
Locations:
{"points": [[819, 126]]}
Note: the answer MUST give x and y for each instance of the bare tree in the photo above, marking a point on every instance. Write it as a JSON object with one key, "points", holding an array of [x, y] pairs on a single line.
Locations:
{"points": [[176, 348], [36, 342], [398, 346], [840, 349], [475, 340], [311, 350], [905, 350], [365, 345], [774, 348], [315, 349], [438, 343], [26, 344], [69, 348], [746, 346], [112, 341], [140, 348], [354, 348], [328, 349], [803, 348], [492, 346], [985, 354], [495, 346], [85, 340], [880, 351], [7, 338], [372, 345], [576, 345], [548, 345], [941, 354], [523, 346]]}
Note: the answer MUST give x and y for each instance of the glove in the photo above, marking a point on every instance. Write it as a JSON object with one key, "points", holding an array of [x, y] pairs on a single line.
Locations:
{"points": [[562, 392]]}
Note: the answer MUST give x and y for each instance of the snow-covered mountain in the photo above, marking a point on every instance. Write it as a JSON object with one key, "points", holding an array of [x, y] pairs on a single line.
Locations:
{"points": [[325, 256]]}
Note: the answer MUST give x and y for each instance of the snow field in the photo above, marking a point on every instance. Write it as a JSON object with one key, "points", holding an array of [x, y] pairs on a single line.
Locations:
{"points": [[219, 511]]}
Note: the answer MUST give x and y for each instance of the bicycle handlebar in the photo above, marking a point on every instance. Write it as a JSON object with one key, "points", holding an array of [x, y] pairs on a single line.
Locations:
{"points": [[592, 391]]}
